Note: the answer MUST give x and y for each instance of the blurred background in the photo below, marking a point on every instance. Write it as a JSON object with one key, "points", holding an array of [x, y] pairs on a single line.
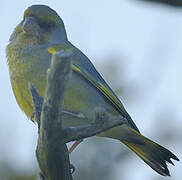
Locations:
{"points": [[137, 47]]}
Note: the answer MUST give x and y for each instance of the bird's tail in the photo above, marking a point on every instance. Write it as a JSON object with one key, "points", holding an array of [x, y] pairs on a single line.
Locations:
{"points": [[150, 152]]}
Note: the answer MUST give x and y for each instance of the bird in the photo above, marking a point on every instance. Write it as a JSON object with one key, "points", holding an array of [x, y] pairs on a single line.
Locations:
{"points": [[29, 51]]}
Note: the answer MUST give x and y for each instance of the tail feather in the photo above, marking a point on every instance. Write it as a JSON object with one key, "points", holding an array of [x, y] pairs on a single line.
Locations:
{"points": [[152, 153]]}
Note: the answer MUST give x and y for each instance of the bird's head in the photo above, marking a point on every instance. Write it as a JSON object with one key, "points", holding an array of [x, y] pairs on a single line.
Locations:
{"points": [[40, 24]]}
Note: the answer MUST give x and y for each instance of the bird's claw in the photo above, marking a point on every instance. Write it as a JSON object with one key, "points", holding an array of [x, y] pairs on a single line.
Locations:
{"points": [[41, 176], [72, 168]]}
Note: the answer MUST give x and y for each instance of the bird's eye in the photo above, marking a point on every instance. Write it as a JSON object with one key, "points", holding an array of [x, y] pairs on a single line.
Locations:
{"points": [[46, 26]]}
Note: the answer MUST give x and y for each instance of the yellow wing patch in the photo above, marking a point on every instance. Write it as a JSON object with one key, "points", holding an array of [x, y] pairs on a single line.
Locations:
{"points": [[57, 47], [101, 88], [111, 97], [74, 68]]}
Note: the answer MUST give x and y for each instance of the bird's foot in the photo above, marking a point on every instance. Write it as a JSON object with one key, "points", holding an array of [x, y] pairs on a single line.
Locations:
{"points": [[41, 176], [75, 144], [72, 168]]}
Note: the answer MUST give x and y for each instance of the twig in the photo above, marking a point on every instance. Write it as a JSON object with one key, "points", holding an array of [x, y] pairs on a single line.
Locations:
{"points": [[172, 3]]}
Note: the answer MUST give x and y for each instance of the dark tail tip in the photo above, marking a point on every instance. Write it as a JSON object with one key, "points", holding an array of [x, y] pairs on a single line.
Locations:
{"points": [[156, 156], [158, 160]]}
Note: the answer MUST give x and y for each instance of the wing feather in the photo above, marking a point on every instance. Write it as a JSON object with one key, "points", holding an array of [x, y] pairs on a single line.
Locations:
{"points": [[85, 68]]}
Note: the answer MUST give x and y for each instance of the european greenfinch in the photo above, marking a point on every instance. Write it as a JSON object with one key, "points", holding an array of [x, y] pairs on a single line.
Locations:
{"points": [[34, 40]]}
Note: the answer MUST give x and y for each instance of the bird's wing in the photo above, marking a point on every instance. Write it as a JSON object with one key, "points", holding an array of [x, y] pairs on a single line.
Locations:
{"points": [[106, 92], [82, 66], [100, 87]]}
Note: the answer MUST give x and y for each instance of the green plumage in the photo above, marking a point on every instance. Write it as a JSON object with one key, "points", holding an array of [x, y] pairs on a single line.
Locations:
{"points": [[42, 33]]}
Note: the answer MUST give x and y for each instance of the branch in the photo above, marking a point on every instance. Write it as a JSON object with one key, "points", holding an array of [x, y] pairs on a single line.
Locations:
{"points": [[102, 123], [174, 3], [53, 156], [38, 102], [52, 153]]}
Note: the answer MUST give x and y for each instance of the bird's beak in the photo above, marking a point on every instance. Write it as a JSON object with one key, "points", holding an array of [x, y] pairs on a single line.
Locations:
{"points": [[30, 26]]}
